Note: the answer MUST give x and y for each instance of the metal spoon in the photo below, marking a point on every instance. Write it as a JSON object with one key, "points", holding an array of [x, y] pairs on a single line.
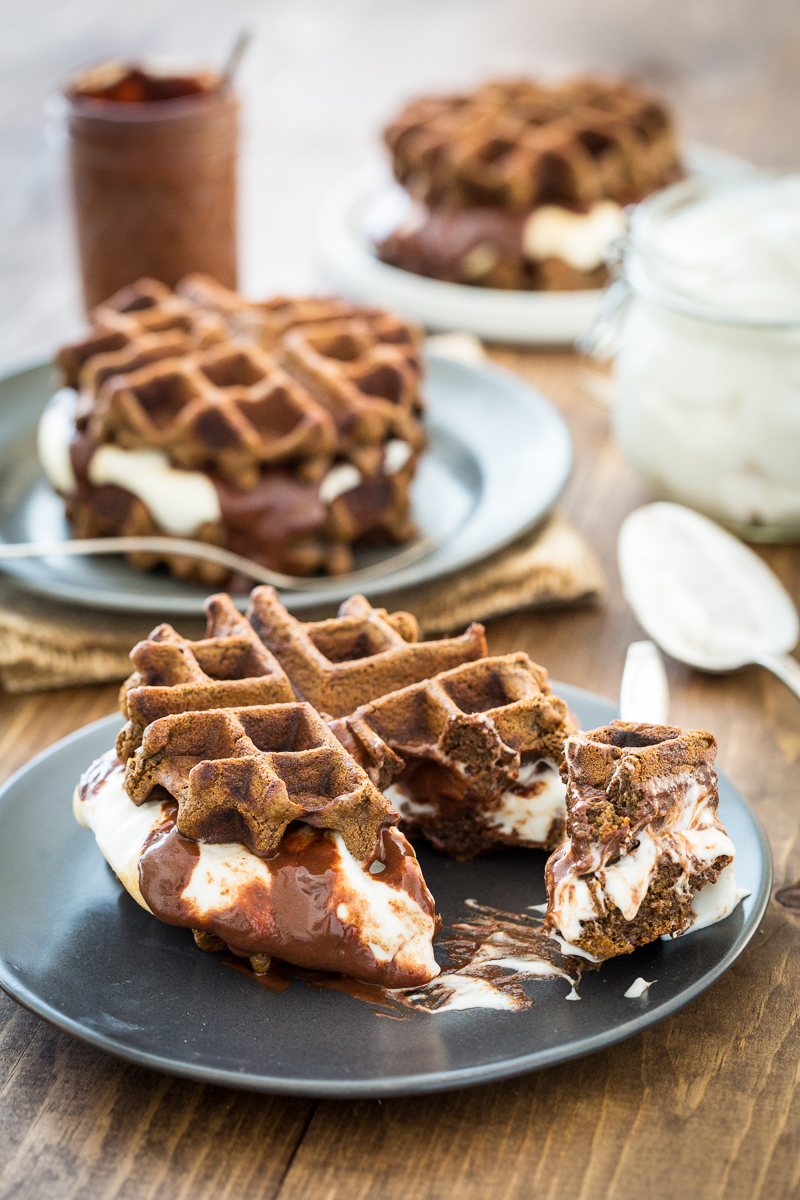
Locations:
{"points": [[703, 596], [644, 692]]}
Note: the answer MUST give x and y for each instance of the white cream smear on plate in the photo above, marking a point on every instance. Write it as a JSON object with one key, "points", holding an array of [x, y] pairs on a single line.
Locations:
{"points": [[638, 988]]}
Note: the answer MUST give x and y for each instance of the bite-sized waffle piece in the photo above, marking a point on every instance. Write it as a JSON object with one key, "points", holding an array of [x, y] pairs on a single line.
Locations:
{"points": [[470, 757], [362, 653], [229, 409], [245, 774], [515, 144], [230, 668], [311, 903], [647, 855], [366, 374]]}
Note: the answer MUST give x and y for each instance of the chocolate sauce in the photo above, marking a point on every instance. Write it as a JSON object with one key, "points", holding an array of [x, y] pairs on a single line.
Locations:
{"points": [[475, 949], [293, 916], [94, 777], [278, 509], [260, 524], [439, 245]]}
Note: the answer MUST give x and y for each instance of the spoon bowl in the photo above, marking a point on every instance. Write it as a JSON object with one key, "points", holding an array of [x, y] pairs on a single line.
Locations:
{"points": [[703, 596]]}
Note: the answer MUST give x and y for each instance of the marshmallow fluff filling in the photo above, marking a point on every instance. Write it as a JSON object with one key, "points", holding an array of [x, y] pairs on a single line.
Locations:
{"points": [[179, 501], [693, 838]]}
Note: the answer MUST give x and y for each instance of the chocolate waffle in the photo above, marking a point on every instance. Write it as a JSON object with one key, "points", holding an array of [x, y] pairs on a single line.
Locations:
{"points": [[644, 838], [352, 658], [266, 321], [515, 144], [229, 668], [142, 309], [306, 458], [473, 754], [229, 409], [245, 774], [366, 374]]}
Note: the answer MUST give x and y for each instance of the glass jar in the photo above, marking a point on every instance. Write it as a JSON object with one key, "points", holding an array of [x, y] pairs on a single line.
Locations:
{"points": [[708, 366], [153, 158]]}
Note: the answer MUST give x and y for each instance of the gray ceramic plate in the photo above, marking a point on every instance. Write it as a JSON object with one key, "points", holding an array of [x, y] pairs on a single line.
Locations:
{"points": [[78, 951], [499, 456]]}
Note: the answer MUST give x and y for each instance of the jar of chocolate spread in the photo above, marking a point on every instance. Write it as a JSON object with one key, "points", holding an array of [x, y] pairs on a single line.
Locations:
{"points": [[153, 158]]}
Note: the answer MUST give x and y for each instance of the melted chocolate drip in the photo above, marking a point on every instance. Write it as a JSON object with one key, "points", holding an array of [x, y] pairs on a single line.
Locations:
{"points": [[294, 917], [473, 948]]}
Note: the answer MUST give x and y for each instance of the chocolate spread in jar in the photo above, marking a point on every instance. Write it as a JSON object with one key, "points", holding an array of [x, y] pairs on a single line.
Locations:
{"points": [[153, 160]]}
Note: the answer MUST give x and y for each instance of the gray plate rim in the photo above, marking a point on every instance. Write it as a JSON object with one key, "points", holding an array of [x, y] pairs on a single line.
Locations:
{"points": [[400, 1085], [560, 455]]}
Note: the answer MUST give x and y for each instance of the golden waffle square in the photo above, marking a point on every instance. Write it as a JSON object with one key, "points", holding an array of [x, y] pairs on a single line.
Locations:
{"points": [[474, 753], [644, 838], [229, 668], [362, 653], [245, 774], [515, 144]]}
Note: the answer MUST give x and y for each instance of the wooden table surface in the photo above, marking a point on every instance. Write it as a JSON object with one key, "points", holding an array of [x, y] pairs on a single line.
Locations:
{"points": [[704, 1105]]}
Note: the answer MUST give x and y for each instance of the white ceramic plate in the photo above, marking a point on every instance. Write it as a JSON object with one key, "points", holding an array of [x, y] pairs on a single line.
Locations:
{"points": [[367, 200]]}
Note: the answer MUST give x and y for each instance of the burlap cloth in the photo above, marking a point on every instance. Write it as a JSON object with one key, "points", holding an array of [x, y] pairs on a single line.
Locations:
{"points": [[46, 644]]}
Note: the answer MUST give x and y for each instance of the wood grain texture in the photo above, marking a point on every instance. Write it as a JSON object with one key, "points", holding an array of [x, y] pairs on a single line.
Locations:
{"points": [[702, 1107]]}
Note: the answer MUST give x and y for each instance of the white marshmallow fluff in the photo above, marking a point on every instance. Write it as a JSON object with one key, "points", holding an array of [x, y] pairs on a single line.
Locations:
{"points": [[708, 371]]}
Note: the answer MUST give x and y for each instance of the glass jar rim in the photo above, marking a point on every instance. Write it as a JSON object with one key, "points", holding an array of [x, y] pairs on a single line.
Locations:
{"points": [[143, 111], [642, 258]]}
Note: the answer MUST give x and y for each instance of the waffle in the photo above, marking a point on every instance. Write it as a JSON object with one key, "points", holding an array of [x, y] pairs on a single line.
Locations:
{"points": [[644, 837], [266, 322], [229, 409], [515, 144], [366, 374], [364, 652], [229, 668], [244, 774], [308, 455], [474, 753], [142, 309]]}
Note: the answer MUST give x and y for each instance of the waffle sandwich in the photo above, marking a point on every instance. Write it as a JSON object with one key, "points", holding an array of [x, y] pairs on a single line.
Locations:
{"points": [[263, 785], [288, 432], [522, 185], [647, 855]]}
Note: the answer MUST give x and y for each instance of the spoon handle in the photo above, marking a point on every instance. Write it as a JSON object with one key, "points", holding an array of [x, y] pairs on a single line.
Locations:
{"points": [[785, 667]]}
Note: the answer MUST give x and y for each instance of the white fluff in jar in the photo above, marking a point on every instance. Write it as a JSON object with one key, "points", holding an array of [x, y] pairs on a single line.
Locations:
{"points": [[708, 372]]}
